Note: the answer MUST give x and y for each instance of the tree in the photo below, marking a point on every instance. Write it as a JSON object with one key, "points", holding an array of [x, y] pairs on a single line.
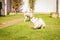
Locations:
{"points": [[57, 5], [15, 3], [31, 3]]}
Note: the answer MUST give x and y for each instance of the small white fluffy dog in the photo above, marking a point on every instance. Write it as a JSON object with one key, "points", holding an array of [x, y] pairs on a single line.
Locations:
{"points": [[38, 23], [28, 14]]}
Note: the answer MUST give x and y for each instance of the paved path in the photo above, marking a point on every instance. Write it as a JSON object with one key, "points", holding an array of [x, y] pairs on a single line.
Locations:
{"points": [[10, 23]]}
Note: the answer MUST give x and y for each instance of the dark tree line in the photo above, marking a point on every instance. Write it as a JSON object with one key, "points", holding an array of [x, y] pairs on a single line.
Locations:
{"points": [[16, 3], [31, 3]]}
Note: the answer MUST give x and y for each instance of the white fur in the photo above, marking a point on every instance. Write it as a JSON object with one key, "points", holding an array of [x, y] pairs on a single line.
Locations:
{"points": [[27, 14], [38, 22]]}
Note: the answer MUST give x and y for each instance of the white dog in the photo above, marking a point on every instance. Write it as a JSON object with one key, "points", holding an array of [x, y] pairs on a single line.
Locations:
{"points": [[38, 22], [28, 14]]}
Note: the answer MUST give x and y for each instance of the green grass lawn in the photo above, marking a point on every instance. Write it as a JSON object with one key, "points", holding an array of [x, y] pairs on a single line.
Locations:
{"points": [[9, 18], [23, 30]]}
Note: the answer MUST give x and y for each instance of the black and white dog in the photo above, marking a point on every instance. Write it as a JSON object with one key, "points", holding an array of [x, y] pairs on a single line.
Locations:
{"points": [[38, 23]]}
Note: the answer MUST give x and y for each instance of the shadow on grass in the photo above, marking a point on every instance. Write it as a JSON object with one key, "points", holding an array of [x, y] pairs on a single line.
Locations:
{"points": [[27, 20], [22, 38], [2, 15]]}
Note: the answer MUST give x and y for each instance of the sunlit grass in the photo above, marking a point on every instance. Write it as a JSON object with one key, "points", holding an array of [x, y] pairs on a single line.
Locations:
{"points": [[23, 30], [10, 17]]}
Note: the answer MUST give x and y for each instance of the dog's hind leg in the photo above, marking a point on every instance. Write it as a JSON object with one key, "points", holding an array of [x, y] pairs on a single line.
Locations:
{"points": [[25, 18]]}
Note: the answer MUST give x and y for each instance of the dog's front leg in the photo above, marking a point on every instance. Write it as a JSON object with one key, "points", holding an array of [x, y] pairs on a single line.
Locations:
{"points": [[25, 18]]}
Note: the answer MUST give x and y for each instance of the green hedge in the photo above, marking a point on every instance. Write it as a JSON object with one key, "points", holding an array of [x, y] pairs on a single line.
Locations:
{"points": [[0, 0], [0, 5]]}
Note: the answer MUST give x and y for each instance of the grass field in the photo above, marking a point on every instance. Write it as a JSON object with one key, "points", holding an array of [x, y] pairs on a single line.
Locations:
{"points": [[23, 30], [10, 17]]}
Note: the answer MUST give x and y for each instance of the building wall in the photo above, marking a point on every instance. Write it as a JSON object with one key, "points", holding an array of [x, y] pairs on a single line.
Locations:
{"points": [[45, 6], [59, 6]]}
